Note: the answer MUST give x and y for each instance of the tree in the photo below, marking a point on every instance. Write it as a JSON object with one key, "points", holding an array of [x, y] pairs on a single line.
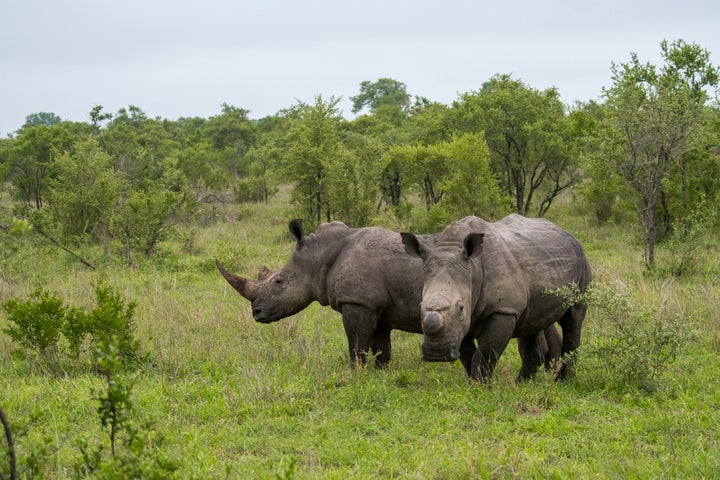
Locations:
{"points": [[28, 160], [386, 99], [383, 92], [314, 141], [653, 113], [231, 130], [470, 187], [526, 132], [85, 190], [417, 166], [46, 119]]}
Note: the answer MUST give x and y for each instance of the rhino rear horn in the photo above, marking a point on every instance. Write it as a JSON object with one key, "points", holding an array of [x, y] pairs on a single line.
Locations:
{"points": [[244, 287]]}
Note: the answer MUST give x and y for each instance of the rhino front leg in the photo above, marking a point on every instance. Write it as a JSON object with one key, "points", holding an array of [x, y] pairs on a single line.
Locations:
{"points": [[494, 337], [359, 323], [381, 347], [467, 351]]}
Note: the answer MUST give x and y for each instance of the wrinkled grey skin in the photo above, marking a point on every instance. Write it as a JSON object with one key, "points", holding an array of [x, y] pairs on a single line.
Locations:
{"points": [[363, 273], [488, 282]]}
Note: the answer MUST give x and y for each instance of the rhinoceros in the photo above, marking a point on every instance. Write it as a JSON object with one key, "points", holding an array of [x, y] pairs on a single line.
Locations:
{"points": [[490, 282], [363, 273]]}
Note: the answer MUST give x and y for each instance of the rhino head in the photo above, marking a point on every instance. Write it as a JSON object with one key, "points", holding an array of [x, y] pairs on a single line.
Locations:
{"points": [[280, 293], [446, 306]]}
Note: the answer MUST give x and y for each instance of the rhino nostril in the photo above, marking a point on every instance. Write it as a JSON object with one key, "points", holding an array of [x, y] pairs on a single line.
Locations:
{"points": [[432, 323], [256, 311]]}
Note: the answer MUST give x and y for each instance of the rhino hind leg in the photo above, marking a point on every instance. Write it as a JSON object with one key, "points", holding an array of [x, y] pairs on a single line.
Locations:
{"points": [[532, 353], [359, 323], [571, 323], [553, 351]]}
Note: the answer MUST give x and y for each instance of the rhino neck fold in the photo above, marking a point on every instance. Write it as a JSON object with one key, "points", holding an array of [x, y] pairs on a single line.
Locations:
{"points": [[318, 259]]}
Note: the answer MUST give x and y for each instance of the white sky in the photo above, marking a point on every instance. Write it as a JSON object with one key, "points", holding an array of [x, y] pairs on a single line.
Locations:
{"points": [[183, 58]]}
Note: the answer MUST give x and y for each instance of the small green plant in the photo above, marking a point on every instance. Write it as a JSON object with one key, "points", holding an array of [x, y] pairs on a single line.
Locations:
{"points": [[58, 333], [141, 457]]}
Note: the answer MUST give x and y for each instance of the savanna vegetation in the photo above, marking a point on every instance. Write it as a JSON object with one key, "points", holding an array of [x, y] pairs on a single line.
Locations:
{"points": [[124, 354]]}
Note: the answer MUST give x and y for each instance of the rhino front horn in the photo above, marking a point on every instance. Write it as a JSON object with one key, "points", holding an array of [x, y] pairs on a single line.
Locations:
{"points": [[246, 288]]}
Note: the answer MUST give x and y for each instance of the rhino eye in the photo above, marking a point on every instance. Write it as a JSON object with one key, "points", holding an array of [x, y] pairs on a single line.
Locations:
{"points": [[278, 281]]}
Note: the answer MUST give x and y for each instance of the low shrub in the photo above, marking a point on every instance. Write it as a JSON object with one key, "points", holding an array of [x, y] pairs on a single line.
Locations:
{"points": [[59, 334], [635, 341]]}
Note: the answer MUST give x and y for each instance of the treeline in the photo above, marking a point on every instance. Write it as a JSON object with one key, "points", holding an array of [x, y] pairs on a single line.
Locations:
{"points": [[123, 180]]}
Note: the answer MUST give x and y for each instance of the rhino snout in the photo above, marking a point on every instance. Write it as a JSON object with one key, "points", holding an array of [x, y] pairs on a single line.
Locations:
{"points": [[260, 315], [442, 353], [432, 323]]}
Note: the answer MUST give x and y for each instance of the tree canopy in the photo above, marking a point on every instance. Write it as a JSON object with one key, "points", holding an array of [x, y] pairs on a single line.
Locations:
{"points": [[125, 180]]}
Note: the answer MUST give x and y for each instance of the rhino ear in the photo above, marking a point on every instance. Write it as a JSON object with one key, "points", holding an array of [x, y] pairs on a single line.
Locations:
{"points": [[412, 245], [297, 230], [473, 244]]}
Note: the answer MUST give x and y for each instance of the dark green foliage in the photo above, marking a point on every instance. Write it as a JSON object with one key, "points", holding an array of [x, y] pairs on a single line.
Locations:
{"points": [[381, 97]]}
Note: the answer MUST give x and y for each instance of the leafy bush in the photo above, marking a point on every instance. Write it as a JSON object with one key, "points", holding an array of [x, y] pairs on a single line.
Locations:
{"points": [[57, 333], [635, 341], [37, 323]]}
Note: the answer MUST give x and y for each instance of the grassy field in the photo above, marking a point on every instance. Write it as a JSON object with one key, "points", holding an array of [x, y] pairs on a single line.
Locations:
{"points": [[235, 399]]}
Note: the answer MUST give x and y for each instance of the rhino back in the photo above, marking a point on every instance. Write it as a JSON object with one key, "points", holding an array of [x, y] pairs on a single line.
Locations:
{"points": [[521, 259], [545, 253], [547, 258], [373, 270]]}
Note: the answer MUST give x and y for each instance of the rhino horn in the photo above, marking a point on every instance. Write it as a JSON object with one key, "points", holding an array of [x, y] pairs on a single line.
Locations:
{"points": [[246, 288]]}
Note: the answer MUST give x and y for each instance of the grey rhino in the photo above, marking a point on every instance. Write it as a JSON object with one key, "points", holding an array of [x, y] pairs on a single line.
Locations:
{"points": [[363, 273], [489, 282]]}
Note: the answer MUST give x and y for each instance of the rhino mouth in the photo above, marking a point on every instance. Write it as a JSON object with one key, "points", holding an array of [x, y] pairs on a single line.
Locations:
{"points": [[261, 315], [442, 353]]}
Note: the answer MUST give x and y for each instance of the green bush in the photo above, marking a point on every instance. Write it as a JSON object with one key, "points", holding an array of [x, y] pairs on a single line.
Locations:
{"points": [[58, 333], [635, 341], [37, 323]]}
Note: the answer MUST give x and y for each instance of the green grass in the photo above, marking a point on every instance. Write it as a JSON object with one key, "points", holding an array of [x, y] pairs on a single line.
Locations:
{"points": [[237, 399]]}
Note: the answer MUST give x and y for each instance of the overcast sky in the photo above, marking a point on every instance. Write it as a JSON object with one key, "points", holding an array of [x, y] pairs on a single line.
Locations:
{"points": [[184, 58]]}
